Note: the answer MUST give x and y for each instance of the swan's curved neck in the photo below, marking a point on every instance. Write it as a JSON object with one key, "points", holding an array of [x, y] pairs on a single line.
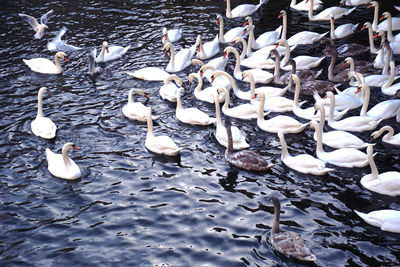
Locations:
{"points": [[178, 100], [102, 52], [167, 80], [366, 100], [322, 117], [201, 53], [284, 23], [285, 152], [374, 170], [230, 78], [217, 110], [58, 65], [385, 70], [172, 59], [389, 28], [391, 78], [277, 70], [277, 211], [287, 54], [237, 64], [372, 48], [296, 93], [320, 149], [246, 49], [384, 129], [229, 149], [40, 105], [250, 40], [149, 123], [130, 97], [310, 10], [228, 9], [199, 83], [375, 20], [260, 115], [65, 157], [227, 99], [252, 84]]}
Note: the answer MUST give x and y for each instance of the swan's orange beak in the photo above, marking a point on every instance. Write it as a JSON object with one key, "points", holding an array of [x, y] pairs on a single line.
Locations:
{"points": [[345, 63], [276, 46], [245, 23], [212, 78], [217, 21], [370, 5], [234, 43], [280, 16], [244, 32], [75, 147], [375, 36], [165, 52], [358, 90], [333, 20], [242, 77], [198, 48], [382, 18], [146, 96], [184, 86], [66, 59], [363, 28], [107, 50], [165, 37], [225, 54], [201, 73]]}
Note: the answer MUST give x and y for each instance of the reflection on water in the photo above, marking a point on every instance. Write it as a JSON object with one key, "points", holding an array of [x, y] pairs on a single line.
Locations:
{"points": [[135, 208]]}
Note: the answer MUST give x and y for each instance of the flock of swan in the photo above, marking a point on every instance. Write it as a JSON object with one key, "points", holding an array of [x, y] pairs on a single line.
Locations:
{"points": [[253, 65]]}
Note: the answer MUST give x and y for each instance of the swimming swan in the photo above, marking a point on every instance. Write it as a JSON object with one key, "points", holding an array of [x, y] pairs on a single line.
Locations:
{"points": [[43, 65], [42, 126], [62, 166]]}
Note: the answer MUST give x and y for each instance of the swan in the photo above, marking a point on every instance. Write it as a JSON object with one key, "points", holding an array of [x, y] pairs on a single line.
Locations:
{"points": [[93, 68], [259, 75], [340, 77], [149, 74], [206, 95], [387, 183], [391, 90], [384, 110], [336, 138], [343, 30], [343, 157], [230, 35], [136, 110], [325, 14], [238, 139], [303, 37], [372, 49], [192, 116], [304, 6], [162, 144], [303, 163], [266, 90], [244, 159], [38, 28], [169, 90], [62, 166], [280, 123], [387, 220], [42, 126], [246, 95], [242, 10], [384, 25], [59, 45], [380, 80], [113, 52], [302, 62], [43, 65], [354, 123], [288, 243], [354, 2], [393, 48], [220, 81], [308, 113], [180, 60], [388, 138], [363, 67], [171, 35], [265, 39], [390, 36], [306, 76], [207, 50], [244, 111]]}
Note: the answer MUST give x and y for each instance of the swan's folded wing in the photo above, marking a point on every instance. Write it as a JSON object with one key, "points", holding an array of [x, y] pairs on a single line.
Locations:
{"points": [[31, 20], [46, 17]]}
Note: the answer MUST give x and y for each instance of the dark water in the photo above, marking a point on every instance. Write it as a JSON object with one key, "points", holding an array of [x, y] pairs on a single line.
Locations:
{"points": [[134, 208]]}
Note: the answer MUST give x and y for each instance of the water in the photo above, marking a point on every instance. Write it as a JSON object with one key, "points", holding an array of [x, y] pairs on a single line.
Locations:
{"points": [[134, 208]]}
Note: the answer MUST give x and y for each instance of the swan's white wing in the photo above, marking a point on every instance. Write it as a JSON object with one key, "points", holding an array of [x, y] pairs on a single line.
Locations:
{"points": [[46, 17], [31, 20]]}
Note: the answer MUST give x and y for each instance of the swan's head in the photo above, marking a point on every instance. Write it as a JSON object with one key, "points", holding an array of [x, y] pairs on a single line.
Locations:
{"points": [[275, 201], [206, 67], [348, 60], [295, 78], [221, 90], [105, 45], [164, 32], [385, 15], [69, 146], [198, 42], [260, 95], [228, 50], [246, 29], [274, 53], [332, 18], [373, 4], [281, 14], [167, 46], [361, 87], [366, 25], [238, 40], [62, 55], [292, 63], [247, 21], [196, 61], [279, 42], [314, 124], [140, 92], [219, 19]]}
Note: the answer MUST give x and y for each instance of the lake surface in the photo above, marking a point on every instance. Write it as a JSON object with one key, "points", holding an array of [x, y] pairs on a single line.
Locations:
{"points": [[135, 208]]}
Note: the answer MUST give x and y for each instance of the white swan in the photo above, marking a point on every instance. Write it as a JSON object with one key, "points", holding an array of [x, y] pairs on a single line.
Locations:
{"points": [[109, 53], [325, 14], [355, 123], [242, 10], [354, 2], [303, 37], [280, 123], [384, 110], [387, 183], [206, 50], [169, 90], [303, 163], [304, 5], [389, 138], [383, 26], [386, 220], [171, 35], [372, 49], [136, 110], [43, 65], [380, 80], [62, 166], [244, 111], [220, 81], [343, 30], [192, 116], [390, 36], [38, 28], [265, 39], [391, 90], [343, 157], [180, 60], [302, 62], [162, 144], [149, 74], [259, 75], [238, 139], [207, 94], [308, 113], [42, 126], [230, 35], [268, 91], [336, 138]]}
